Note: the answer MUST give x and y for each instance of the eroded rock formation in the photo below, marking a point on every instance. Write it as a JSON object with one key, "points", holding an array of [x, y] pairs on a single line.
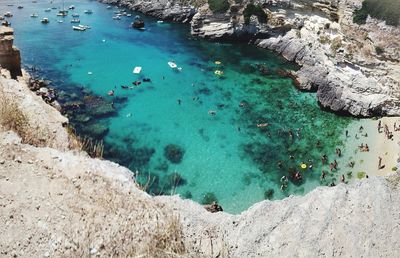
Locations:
{"points": [[9, 55]]}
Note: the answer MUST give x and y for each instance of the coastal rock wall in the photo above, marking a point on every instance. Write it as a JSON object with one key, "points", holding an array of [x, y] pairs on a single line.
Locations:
{"points": [[171, 10], [9, 55]]}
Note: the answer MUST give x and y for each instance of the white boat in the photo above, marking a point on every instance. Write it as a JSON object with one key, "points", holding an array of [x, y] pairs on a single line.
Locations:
{"points": [[62, 13], [160, 22], [129, 15], [75, 15], [71, 7], [1, 18], [8, 14], [88, 11], [78, 28], [109, 7], [137, 70], [60, 21], [34, 15], [45, 20], [86, 27], [172, 65], [116, 17], [47, 10], [75, 21]]}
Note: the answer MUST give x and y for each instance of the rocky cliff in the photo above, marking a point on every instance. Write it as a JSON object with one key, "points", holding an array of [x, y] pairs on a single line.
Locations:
{"points": [[9, 55], [340, 60]]}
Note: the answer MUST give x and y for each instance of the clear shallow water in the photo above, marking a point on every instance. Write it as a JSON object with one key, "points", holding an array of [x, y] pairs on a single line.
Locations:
{"points": [[226, 154]]}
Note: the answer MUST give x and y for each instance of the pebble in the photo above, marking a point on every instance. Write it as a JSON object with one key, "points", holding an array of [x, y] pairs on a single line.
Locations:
{"points": [[46, 254], [93, 251], [2, 161], [18, 159]]}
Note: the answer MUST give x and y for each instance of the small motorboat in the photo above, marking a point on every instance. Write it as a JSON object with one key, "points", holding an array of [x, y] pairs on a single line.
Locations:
{"points": [[219, 73], [75, 15], [129, 15], [138, 23], [160, 22], [136, 83], [146, 80], [88, 11], [124, 87], [20, 7], [1, 18], [34, 15], [109, 7], [54, 8], [110, 93], [8, 14], [172, 65], [60, 21], [45, 21], [117, 17], [62, 13], [71, 7], [137, 70], [75, 21], [47, 10], [78, 28]]}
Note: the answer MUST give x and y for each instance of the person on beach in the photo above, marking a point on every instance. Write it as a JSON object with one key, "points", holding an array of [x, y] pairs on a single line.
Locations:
{"points": [[379, 126], [342, 179], [380, 166], [338, 152], [318, 144], [179, 102], [347, 133], [331, 166], [280, 164], [335, 164]]}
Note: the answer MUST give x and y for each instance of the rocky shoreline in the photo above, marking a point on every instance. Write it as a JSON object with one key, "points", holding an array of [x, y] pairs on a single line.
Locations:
{"points": [[338, 59]]}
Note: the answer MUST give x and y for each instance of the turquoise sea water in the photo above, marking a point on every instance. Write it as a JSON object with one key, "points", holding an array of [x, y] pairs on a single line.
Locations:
{"points": [[225, 155]]}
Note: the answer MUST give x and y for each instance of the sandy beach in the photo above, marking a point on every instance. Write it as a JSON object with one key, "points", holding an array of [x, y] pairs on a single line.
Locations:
{"points": [[365, 132]]}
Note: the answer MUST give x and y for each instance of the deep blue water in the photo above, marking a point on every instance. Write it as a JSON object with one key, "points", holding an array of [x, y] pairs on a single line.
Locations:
{"points": [[225, 154]]}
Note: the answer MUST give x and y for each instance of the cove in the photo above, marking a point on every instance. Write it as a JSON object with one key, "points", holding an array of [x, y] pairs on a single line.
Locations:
{"points": [[163, 130]]}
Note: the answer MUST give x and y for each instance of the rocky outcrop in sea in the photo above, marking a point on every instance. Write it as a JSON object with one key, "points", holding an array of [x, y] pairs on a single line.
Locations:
{"points": [[338, 59]]}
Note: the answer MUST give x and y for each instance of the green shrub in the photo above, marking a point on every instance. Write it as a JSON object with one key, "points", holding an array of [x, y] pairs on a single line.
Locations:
{"points": [[379, 50], [218, 6], [387, 10], [256, 10]]}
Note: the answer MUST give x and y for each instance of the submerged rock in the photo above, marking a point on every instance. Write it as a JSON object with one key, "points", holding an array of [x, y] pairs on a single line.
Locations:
{"points": [[174, 153]]}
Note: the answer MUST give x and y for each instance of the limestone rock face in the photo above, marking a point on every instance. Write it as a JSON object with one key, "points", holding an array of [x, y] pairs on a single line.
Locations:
{"points": [[9, 55], [163, 9]]}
